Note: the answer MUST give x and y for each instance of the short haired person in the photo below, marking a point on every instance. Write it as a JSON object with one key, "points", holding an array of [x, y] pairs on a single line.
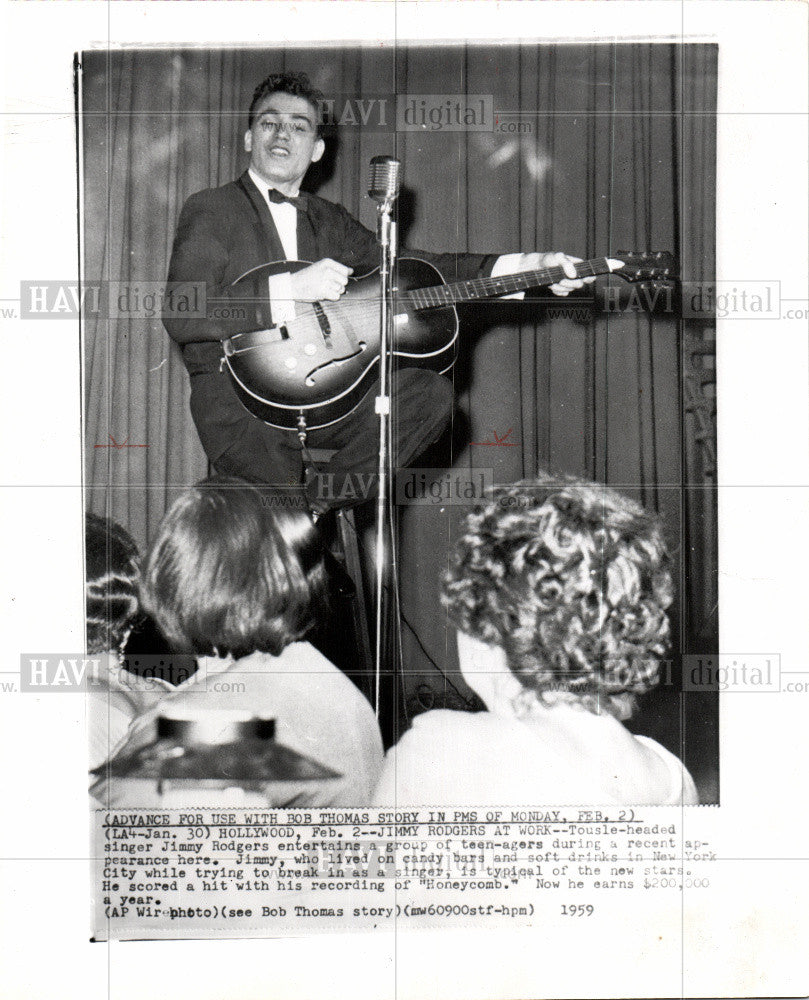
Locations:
{"points": [[226, 231], [116, 697], [239, 583], [559, 591]]}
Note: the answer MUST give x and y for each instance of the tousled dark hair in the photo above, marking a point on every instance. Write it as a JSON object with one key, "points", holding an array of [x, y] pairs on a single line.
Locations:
{"points": [[111, 583], [296, 84], [572, 581], [234, 570]]}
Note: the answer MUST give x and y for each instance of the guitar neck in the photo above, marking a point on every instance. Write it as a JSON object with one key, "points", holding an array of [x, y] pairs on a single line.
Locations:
{"points": [[504, 284]]}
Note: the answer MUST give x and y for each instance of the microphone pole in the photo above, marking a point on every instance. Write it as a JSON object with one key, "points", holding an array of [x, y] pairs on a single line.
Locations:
{"points": [[385, 180]]}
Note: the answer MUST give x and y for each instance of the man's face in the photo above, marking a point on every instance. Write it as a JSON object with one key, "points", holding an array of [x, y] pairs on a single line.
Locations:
{"points": [[283, 141]]}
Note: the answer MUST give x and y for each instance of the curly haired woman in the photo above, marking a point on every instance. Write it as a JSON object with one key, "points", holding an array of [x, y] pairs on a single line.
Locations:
{"points": [[559, 590]]}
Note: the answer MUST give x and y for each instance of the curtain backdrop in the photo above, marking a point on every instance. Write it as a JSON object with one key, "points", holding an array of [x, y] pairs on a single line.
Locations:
{"points": [[596, 148]]}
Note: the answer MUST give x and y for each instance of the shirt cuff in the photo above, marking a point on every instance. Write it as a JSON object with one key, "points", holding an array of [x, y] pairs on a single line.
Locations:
{"points": [[512, 263], [281, 301]]}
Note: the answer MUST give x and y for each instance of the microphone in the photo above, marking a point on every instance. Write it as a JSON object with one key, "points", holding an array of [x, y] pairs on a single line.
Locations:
{"points": [[386, 179]]}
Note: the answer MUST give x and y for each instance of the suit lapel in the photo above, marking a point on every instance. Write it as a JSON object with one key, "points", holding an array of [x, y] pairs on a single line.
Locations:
{"points": [[264, 220], [307, 240]]}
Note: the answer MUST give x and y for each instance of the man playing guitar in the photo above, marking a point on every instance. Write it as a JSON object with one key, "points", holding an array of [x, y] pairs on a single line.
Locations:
{"points": [[263, 216]]}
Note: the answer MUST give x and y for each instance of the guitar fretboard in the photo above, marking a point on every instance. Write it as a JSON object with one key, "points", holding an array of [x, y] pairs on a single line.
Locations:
{"points": [[505, 284]]}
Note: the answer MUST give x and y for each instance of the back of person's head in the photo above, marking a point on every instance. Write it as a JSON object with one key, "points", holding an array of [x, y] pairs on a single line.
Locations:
{"points": [[111, 583], [572, 581], [233, 570]]}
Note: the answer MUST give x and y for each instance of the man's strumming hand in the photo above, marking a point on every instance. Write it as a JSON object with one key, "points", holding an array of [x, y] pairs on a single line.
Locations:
{"points": [[327, 279]]}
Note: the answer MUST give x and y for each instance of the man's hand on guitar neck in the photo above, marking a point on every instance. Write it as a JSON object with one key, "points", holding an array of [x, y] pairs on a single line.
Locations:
{"points": [[514, 262]]}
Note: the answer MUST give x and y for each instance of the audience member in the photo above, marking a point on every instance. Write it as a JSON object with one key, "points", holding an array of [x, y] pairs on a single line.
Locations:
{"points": [[111, 600], [238, 583], [559, 590]]}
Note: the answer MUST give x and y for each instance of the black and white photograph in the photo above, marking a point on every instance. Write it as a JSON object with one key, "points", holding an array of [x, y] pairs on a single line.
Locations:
{"points": [[405, 525]]}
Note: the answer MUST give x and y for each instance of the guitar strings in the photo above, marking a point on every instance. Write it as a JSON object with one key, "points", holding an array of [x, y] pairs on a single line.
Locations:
{"points": [[584, 268]]}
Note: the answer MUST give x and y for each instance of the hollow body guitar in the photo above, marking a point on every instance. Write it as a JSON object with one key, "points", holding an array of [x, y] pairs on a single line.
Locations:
{"points": [[313, 370]]}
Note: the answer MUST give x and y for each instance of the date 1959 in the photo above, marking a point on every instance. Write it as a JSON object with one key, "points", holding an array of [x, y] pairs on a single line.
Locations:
{"points": [[578, 910]]}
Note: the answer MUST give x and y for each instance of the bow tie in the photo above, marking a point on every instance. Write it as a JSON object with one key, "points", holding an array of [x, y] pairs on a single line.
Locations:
{"points": [[279, 199]]}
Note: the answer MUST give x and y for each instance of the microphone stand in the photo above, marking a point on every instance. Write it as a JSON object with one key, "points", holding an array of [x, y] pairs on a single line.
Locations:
{"points": [[386, 230]]}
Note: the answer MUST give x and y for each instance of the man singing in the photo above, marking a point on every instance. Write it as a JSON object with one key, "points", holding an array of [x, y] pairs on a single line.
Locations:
{"points": [[263, 216]]}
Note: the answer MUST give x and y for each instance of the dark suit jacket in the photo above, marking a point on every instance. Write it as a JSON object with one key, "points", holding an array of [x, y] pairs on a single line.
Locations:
{"points": [[224, 232]]}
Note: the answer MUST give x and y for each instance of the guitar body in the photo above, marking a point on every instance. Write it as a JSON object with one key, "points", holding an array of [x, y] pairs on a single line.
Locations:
{"points": [[323, 363]]}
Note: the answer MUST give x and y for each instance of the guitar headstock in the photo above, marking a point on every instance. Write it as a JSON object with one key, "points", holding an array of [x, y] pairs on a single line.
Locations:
{"points": [[658, 265]]}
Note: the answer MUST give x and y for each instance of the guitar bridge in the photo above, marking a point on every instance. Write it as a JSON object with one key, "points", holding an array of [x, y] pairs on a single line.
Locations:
{"points": [[325, 326]]}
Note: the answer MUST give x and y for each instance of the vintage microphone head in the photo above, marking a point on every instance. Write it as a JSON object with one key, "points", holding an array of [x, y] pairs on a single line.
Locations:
{"points": [[385, 181]]}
